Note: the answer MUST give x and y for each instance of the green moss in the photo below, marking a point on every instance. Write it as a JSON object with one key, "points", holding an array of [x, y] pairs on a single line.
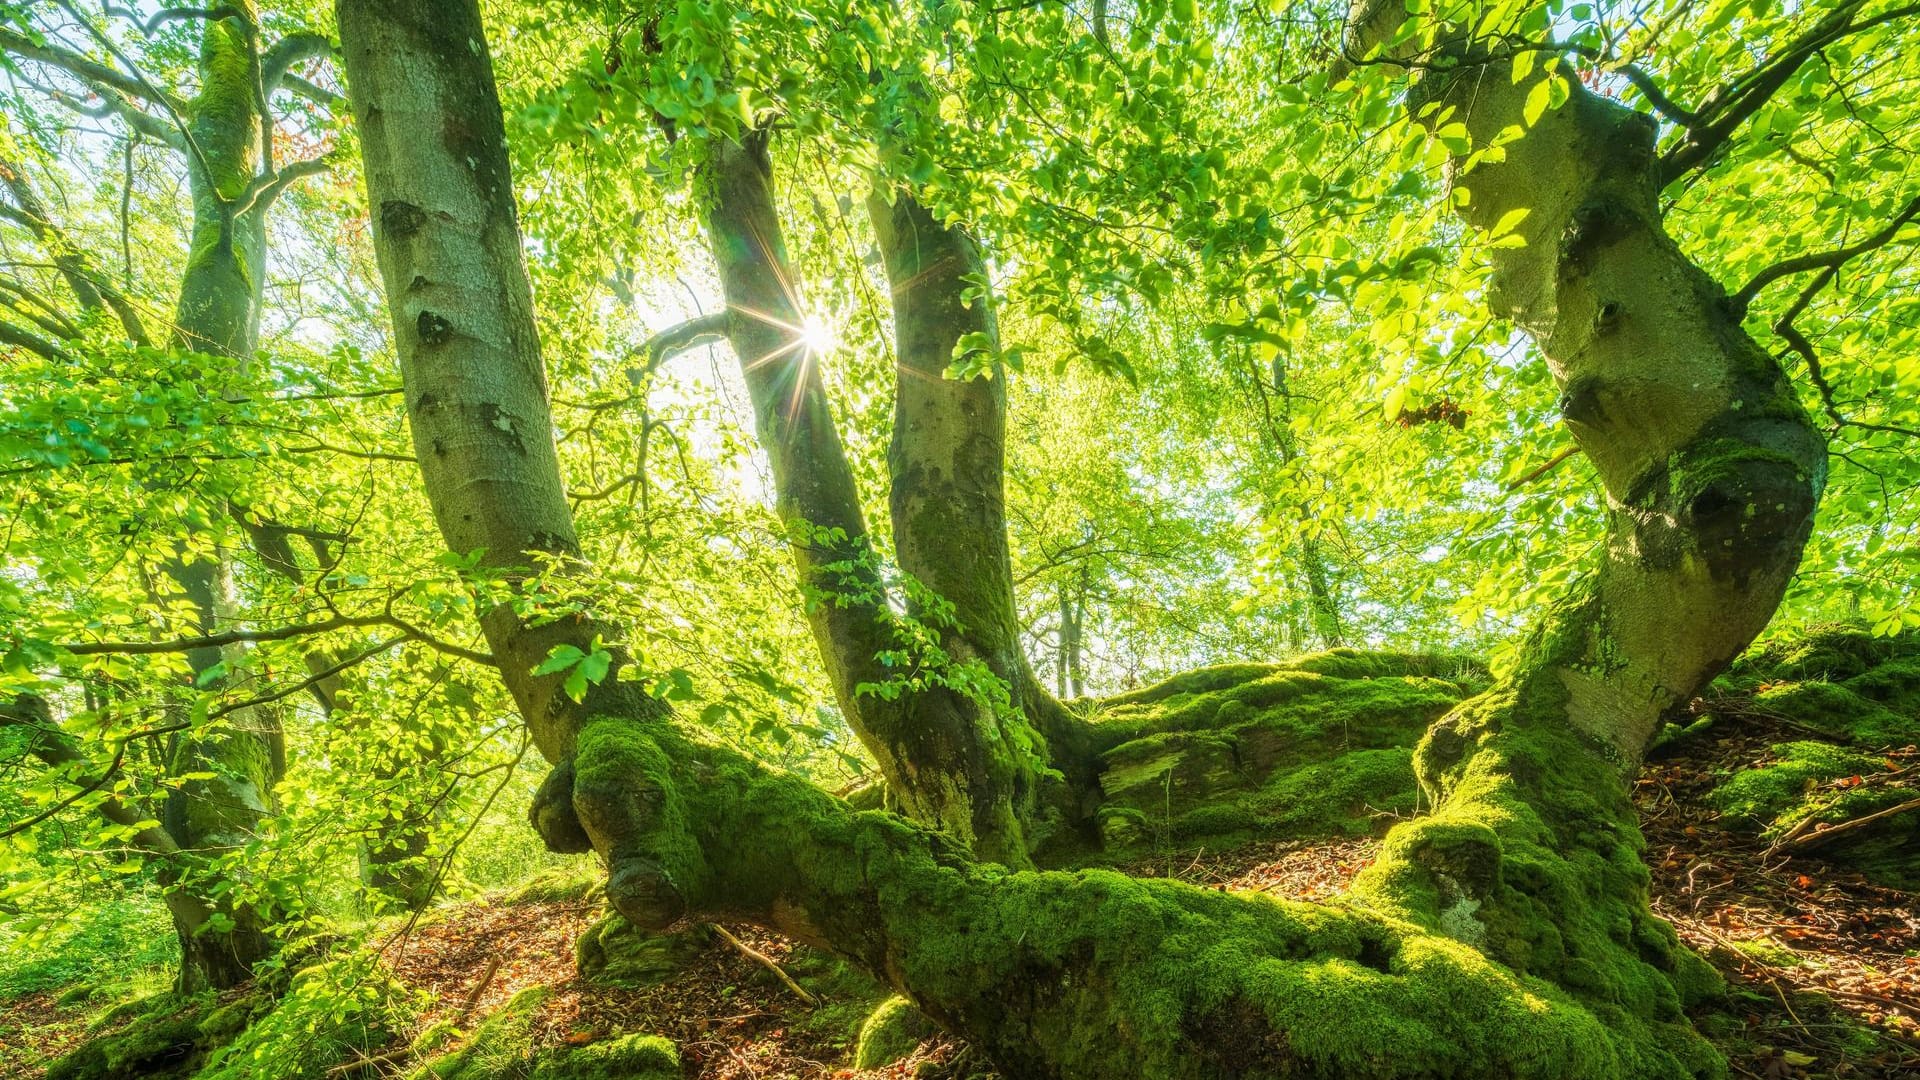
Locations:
{"points": [[892, 1032], [576, 881], [1798, 784], [1316, 747], [331, 1012], [167, 1036], [614, 952], [1840, 712], [1532, 855], [847, 995], [1769, 951], [501, 1048], [628, 1057], [1828, 651]]}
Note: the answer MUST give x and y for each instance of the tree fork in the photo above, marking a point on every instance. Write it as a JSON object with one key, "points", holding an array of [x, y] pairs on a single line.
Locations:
{"points": [[947, 495], [936, 747]]}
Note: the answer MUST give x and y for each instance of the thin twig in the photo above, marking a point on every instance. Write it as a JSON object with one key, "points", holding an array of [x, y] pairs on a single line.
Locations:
{"points": [[766, 961]]}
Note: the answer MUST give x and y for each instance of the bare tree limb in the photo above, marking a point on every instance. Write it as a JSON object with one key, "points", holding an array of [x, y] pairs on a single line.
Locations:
{"points": [[11, 334], [264, 189], [319, 95], [279, 633], [1818, 260], [166, 101], [664, 345], [92, 72], [288, 51]]}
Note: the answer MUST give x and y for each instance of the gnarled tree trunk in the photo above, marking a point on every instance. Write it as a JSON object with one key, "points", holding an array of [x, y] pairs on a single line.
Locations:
{"points": [[1506, 935]]}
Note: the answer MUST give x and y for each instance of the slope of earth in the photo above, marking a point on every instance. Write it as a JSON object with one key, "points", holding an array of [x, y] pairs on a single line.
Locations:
{"points": [[1755, 814]]}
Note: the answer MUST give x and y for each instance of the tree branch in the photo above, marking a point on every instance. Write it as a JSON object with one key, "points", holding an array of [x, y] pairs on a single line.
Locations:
{"points": [[11, 334], [1833, 260], [164, 100], [45, 314], [280, 633], [1798, 342], [90, 290], [57, 749], [91, 72], [175, 14], [264, 189], [287, 52], [672, 341], [1733, 104]]}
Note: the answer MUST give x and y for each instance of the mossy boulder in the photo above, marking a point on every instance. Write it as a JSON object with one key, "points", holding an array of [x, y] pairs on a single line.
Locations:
{"points": [[628, 1057], [1855, 696], [168, 1035], [893, 1031], [501, 1048], [1826, 785], [1316, 746], [576, 881], [614, 952]]}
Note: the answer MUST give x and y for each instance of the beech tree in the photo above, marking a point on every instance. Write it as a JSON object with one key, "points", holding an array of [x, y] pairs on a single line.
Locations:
{"points": [[853, 468], [1521, 893]]}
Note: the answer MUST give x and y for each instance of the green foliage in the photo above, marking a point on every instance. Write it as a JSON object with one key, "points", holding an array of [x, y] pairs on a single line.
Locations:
{"points": [[333, 1012], [502, 1048], [163, 1036], [106, 942]]}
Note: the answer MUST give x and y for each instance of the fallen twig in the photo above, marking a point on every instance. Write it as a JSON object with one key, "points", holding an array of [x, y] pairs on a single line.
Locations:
{"points": [[1817, 837], [766, 961]]}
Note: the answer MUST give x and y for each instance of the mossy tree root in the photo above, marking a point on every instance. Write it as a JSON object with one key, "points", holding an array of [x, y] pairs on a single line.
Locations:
{"points": [[1095, 974]]}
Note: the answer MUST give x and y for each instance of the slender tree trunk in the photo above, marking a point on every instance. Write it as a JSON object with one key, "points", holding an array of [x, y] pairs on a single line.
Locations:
{"points": [[93, 291], [1320, 598], [953, 755], [1530, 859], [218, 313]]}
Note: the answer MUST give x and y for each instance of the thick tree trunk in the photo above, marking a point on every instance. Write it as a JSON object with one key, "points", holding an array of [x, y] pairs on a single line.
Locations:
{"points": [[948, 501], [1520, 943]]}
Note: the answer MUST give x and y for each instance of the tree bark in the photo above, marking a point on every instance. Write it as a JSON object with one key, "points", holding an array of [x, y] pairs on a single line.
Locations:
{"points": [[218, 313], [952, 754], [92, 291], [1505, 935]]}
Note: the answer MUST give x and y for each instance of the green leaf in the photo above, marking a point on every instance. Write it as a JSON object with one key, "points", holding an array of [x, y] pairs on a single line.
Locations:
{"points": [[559, 658], [1539, 97]]}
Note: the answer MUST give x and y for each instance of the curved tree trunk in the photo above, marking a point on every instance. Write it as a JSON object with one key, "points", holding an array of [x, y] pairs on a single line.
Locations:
{"points": [[1506, 935], [948, 499]]}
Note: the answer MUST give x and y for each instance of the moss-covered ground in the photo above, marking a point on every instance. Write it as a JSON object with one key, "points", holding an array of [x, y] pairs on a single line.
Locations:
{"points": [[1271, 779]]}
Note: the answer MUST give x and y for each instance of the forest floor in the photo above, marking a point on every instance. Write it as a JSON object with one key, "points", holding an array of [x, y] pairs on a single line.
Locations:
{"points": [[1824, 967]]}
